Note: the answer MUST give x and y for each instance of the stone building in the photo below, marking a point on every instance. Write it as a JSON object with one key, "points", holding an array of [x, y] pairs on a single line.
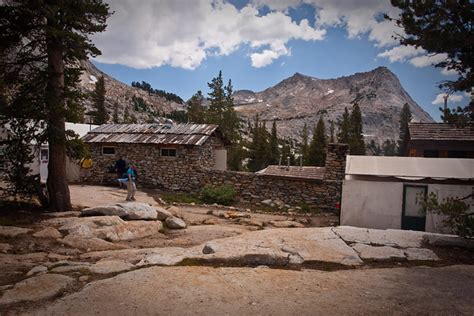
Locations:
{"points": [[165, 155], [188, 157]]}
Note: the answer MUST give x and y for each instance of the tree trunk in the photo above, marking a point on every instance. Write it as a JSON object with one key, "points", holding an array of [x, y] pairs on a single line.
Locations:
{"points": [[58, 190]]}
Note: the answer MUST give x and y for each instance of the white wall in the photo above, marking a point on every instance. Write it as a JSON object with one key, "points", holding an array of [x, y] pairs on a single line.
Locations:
{"points": [[372, 204], [434, 222], [378, 204]]}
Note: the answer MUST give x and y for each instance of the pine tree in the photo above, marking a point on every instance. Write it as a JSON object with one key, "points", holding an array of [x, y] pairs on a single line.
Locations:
{"points": [[405, 118], [318, 145], [221, 112], [389, 147], [304, 149], [356, 139], [331, 131], [196, 111], [274, 150], [43, 43], [99, 115], [126, 116], [344, 126], [115, 117]]}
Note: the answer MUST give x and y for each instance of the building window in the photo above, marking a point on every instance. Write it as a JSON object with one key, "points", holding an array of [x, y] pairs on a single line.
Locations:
{"points": [[431, 153], [44, 154], [108, 150], [168, 152]]}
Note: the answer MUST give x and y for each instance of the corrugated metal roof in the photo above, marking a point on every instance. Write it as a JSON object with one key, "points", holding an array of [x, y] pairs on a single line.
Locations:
{"points": [[411, 167], [440, 131], [305, 172], [178, 134]]}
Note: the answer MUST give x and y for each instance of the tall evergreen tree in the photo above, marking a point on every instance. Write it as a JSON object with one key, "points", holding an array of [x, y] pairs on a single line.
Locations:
{"points": [[115, 116], [221, 112], [443, 28], [42, 45], [196, 111], [344, 128], [405, 118], [99, 115], [304, 149], [274, 150], [318, 145], [356, 139], [389, 147], [331, 131]]}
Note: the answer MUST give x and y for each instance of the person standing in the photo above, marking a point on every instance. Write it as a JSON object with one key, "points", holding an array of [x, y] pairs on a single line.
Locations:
{"points": [[121, 169], [131, 187], [86, 165]]}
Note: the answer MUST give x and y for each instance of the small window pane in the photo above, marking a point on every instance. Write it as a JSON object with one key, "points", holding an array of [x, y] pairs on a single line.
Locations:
{"points": [[168, 152], [44, 154], [108, 150], [412, 201]]}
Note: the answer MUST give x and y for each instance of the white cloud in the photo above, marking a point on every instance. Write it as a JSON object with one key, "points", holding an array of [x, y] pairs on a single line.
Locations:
{"points": [[428, 60], [449, 72], [451, 99], [401, 53], [183, 33]]}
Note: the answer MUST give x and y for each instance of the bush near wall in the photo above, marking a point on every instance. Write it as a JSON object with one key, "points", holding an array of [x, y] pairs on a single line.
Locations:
{"points": [[224, 195]]}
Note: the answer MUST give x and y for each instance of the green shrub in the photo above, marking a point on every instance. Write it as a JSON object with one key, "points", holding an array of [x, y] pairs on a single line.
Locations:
{"points": [[224, 195], [180, 198]]}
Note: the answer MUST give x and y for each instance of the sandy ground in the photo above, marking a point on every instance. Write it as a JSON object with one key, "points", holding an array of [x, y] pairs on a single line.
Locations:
{"points": [[263, 291]]}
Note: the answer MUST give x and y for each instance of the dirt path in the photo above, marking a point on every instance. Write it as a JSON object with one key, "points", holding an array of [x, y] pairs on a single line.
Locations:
{"points": [[263, 291]]}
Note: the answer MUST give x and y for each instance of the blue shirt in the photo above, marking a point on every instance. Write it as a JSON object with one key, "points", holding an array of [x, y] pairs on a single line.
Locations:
{"points": [[132, 174]]}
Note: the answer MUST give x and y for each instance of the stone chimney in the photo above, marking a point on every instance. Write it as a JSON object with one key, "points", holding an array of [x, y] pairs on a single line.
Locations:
{"points": [[336, 161]]}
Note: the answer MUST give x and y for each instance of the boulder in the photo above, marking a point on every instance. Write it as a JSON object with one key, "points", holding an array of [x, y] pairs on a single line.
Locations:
{"points": [[12, 231], [251, 222], [209, 248], [68, 266], [129, 230], [163, 214], [36, 270], [108, 210], [89, 244], [138, 211], [48, 232], [209, 221], [175, 223], [128, 211], [37, 288], [267, 202], [174, 210], [85, 226]]}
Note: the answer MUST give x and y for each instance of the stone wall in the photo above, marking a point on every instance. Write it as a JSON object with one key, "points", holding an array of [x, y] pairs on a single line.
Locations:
{"points": [[192, 169], [173, 173]]}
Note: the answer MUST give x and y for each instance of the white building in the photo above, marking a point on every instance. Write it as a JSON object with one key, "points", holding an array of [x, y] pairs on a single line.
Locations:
{"points": [[381, 192], [40, 164]]}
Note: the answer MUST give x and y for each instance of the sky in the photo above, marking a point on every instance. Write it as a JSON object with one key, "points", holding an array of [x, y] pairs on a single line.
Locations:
{"points": [[180, 45]]}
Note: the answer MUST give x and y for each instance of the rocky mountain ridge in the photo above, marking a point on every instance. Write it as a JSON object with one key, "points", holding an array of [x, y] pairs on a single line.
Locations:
{"points": [[303, 99]]}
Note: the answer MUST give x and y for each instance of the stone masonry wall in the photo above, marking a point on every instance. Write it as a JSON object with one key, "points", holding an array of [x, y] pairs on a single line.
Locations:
{"points": [[192, 169], [172, 173]]}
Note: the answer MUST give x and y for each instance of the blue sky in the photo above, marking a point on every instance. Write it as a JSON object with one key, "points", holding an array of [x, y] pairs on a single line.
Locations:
{"points": [[260, 43]]}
